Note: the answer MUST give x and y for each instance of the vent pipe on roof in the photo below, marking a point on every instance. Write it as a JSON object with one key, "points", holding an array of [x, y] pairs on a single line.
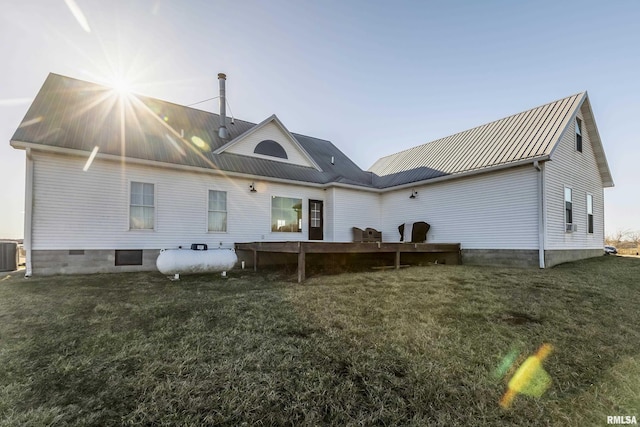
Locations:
{"points": [[222, 131]]}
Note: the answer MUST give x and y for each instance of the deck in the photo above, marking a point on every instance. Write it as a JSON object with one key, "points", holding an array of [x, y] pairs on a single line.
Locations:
{"points": [[303, 248]]}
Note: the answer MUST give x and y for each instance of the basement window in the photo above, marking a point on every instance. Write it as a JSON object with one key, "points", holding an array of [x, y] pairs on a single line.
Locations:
{"points": [[129, 257], [271, 148], [578, 135]]}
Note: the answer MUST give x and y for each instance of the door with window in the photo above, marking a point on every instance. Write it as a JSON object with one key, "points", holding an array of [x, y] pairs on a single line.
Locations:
{"points": [[316, 221]]}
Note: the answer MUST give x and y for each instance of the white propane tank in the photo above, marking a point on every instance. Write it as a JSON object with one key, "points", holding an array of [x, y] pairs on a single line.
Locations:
{"points": [[188, 261]]}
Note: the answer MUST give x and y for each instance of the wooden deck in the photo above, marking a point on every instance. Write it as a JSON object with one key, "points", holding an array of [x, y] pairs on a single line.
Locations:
{"points": [[302, 248]]}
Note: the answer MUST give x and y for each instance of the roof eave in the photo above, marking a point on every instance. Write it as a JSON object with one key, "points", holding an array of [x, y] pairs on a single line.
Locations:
{"points": [[469, 173]]}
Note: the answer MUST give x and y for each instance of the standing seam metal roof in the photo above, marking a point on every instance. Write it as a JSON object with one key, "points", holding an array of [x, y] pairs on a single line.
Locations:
{"points": [[74, 114], [527, 135]]}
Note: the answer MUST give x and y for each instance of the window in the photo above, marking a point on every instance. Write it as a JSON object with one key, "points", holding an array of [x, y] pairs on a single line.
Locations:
{"points": [[217, 210], [589, 214], [568, 209], [315, 214], [133, 257], [142, 211], [270, 148], [286, 214], [578, 135]]}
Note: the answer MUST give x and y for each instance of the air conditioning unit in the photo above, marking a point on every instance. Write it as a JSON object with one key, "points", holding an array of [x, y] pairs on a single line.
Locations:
{"points": [[570, 228]]}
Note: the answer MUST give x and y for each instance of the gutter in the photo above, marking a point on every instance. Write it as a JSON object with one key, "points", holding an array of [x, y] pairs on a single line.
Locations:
{"points": [[82, 153], [28, 213]]}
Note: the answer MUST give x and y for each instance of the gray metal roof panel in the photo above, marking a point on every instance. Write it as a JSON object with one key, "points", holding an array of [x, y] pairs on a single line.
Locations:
{"points": [[74, 114], [527, 135], [79, 115]]}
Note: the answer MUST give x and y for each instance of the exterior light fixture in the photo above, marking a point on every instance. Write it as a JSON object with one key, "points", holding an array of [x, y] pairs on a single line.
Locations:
{"points": [[252, 187], [413, 195]]}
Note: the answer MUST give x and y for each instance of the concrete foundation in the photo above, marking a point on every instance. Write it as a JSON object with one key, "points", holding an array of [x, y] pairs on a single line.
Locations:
{"points": [[523, 258], [50, 262], [556, 257]]}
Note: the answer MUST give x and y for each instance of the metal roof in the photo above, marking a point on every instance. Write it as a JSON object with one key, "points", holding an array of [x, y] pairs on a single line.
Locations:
{"points": [[532, 134], [75, 114]]}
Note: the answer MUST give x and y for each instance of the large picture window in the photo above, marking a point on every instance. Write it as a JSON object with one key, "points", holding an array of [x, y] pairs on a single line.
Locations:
{"points": [[217, 211], [142, 206], [286, 214]]}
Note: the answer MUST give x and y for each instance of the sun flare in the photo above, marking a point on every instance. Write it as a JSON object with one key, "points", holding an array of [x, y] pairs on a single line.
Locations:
{"points": [[121, 85]]}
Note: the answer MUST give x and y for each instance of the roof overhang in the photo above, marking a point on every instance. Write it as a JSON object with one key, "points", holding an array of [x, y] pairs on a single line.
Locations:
{"points": [[21, 145], [594, 135]]}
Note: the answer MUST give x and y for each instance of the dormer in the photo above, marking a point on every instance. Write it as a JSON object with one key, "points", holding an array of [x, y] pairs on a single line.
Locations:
{"points": [[270, 140]]}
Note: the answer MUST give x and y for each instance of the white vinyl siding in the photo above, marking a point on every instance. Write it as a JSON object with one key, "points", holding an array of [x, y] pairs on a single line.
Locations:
{"points": [[496, 210], [355, 208], [271, 131], [579, 171], [90, 210], [142, 206], [217, 211]]}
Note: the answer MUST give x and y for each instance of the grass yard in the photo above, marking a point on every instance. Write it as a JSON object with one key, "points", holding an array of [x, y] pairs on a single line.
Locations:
{"points": [[417, 346]]}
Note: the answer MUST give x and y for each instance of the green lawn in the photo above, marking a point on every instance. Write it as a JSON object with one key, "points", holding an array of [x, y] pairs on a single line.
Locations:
{"points": [[417, 346]]}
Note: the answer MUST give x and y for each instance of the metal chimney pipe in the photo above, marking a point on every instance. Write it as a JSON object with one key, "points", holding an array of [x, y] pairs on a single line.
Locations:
{"points": [[222, 131]]}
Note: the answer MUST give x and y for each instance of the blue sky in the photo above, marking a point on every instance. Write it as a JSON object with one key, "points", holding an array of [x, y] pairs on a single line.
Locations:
{"points": [[373, 77]]}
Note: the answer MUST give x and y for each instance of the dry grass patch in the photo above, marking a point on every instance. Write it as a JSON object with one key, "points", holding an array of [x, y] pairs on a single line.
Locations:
{"points": [[417, 346]]}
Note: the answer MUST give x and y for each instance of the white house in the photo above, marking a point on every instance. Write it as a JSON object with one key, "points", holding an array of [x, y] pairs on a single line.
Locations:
{"points": [[112, 179]]}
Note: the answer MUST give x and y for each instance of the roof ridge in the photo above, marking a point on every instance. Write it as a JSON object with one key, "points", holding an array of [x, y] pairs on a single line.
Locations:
{"points": [[415, 147]]}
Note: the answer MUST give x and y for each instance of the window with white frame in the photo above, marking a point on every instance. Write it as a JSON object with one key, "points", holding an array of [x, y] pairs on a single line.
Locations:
{"points": [[589, 214], [217, 211], [578, 135], [286, 214], [142, 206], [568, 209]]}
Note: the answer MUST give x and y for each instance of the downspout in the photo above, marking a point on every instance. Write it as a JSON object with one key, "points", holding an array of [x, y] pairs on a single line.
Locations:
{"points": [[28, 212], [540, 168]]}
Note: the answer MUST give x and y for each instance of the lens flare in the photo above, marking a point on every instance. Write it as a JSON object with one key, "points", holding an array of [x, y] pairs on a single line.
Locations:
{"points": [[77, 13], [530, 379], [90, 159], [199, 143]]}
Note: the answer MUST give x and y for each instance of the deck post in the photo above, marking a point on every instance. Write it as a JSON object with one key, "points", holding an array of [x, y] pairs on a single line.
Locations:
{"points": [[301, 263], [397, 259], [255, 260]]}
